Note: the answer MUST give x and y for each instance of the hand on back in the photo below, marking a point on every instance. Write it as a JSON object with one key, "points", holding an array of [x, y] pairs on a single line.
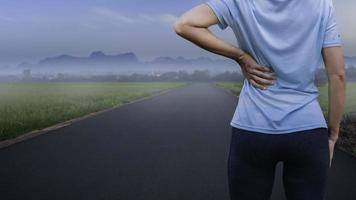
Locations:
{"points": [[259, 76]]}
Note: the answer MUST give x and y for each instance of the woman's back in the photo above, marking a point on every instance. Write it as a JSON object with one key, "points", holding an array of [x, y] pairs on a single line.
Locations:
{"points": [[286, 35]]}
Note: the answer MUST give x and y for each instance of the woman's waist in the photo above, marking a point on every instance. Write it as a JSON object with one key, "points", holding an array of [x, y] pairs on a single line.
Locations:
{"points": [[277, 107], [282, 88], [278, 97]]}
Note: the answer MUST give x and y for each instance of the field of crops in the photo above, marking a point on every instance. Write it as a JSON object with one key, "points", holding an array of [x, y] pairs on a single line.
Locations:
{"points": [[29, 106]]}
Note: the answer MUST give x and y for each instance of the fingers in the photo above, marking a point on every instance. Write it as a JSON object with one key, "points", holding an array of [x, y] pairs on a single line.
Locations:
{"points": [[263, 71], [266, 76], [261, 76], [262, 87], [261, 81], [263, 68]]}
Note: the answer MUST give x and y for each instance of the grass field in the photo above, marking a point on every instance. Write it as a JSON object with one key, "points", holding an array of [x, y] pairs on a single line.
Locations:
{"points": [[30, 106], [350, 103]]}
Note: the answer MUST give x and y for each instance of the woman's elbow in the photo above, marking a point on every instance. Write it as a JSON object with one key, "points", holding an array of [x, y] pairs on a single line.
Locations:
{"points": [[340, 77], [180, 26], [199, 16], [337, 75]]}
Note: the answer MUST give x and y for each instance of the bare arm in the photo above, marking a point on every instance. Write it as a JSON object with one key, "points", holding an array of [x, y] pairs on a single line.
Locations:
{"points": [[193, 26], [334, 65]]}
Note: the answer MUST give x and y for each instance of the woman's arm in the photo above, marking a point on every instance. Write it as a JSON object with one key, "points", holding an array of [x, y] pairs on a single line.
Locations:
{"points": [[193, 26], [334, 64]]}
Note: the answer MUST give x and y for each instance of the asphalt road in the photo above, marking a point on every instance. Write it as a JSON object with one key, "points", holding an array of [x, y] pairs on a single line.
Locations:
{"points": [[171, 146]]}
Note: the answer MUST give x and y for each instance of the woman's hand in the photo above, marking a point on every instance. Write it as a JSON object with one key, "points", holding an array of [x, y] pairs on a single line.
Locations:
{"points": [[331, 149], [333, 136], [260, 76]]}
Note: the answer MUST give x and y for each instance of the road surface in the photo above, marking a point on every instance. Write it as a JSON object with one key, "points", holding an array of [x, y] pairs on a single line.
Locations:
{"points": [[171, 146]]}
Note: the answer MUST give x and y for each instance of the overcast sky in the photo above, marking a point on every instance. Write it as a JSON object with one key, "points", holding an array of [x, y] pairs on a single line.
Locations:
{"points": [[34, 29]]}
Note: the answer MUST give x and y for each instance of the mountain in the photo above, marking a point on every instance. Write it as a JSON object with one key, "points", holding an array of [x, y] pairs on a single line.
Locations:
{"points": [[98, 58], [95, 58], [98, 62]]}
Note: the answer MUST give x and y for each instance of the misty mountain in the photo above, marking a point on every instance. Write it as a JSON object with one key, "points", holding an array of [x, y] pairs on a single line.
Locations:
{"points": [[126, 63], [99, 58], [95, 58]]}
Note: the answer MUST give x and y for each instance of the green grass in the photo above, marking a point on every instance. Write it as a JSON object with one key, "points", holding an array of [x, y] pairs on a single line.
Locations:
{"points": [[350, 102], [234, 87], [29, 106]]}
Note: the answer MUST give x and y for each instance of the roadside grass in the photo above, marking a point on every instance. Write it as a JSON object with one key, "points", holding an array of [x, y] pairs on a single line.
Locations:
{"points": [[29, 106], [234, 87]]}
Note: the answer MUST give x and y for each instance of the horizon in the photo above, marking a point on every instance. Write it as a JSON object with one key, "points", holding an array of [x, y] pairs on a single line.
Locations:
{"points": [[128, 52]]}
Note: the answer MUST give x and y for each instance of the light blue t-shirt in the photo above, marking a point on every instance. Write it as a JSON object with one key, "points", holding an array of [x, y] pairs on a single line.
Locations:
{"points": [[288, 36]]}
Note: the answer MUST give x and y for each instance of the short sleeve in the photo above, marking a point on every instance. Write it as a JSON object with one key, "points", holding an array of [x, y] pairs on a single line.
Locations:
{"points": [[332, 35], [221, 10]]}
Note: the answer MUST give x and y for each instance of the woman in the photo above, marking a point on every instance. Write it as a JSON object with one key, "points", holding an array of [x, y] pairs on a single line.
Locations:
{"points": [[278, 117]]}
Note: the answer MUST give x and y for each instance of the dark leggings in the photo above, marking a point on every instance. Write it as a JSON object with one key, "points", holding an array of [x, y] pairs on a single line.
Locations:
{"points": [[253, 157]]}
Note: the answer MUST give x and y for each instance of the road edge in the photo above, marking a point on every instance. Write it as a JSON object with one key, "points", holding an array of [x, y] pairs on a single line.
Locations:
{"points": [[38, 132], [226, 90]]}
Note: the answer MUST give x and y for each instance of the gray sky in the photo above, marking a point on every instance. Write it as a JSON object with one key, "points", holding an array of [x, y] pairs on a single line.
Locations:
{"points": [[34, 29]]}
